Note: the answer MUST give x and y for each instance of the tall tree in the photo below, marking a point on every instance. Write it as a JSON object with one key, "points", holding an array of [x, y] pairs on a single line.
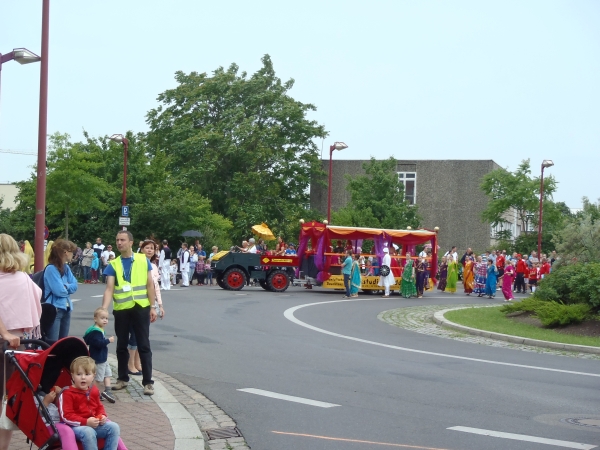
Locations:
{"points": [[71, 187], [243, 142], [377, 199], [517, 191]]}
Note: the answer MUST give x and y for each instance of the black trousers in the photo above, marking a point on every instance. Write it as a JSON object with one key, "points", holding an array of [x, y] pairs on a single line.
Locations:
{"points": [[520, 283], [139, 319]]}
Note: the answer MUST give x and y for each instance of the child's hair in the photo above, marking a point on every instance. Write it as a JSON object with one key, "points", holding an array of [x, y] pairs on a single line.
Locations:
{"points": [[83, 362], [99, 310]]}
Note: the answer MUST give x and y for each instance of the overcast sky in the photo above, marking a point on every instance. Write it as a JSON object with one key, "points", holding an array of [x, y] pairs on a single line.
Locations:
{"points": [[501, 80]]}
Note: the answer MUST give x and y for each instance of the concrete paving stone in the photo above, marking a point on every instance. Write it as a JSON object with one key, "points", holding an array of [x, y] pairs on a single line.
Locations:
{"points": [[236, 440], [189, 444], [228, 424], [209, 425]]}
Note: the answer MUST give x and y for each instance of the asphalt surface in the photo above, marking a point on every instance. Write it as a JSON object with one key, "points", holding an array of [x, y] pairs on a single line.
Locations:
{"points": [[220, 341]]}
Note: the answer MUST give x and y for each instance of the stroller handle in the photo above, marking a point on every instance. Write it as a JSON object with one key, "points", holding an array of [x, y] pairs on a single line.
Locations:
{"points": [[42, 344]]}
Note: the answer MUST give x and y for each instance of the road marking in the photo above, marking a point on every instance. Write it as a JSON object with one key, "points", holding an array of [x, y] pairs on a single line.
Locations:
{"points": [[75, 299], [524, 437], [289, 314], [358, 441], [97, 296], [289, 398]]}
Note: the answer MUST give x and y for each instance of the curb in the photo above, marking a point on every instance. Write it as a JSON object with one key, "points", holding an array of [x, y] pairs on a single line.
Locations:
{"points": [[439, 318]]}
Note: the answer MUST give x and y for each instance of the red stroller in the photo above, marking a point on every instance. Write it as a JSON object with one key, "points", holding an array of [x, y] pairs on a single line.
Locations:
{"points": [[39, 369]]}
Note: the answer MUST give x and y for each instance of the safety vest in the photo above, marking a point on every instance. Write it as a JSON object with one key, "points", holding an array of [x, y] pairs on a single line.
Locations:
{"points": [[124, 298]]}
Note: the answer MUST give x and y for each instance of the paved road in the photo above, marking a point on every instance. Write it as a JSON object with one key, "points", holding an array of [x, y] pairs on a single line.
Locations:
{"points": [[219, 342]]}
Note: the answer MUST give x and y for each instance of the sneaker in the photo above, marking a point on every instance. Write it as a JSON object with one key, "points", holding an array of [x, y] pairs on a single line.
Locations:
{"points": [[108, 396], [149, 389], [120, 385]]}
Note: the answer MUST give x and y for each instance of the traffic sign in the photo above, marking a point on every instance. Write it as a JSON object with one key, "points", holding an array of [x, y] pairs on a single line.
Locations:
{"points": [[124, 220], [125, 211], [46, 232]]}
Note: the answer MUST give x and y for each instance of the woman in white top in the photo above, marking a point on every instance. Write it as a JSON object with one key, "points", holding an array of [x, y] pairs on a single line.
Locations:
{"points": [[192, 262]]}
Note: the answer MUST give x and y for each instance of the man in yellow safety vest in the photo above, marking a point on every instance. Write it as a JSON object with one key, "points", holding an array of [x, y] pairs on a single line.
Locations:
{"points": [[129, 285]]}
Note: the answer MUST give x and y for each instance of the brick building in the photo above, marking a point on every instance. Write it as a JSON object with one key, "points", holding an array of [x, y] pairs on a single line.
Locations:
{"points": [[447, 193]]}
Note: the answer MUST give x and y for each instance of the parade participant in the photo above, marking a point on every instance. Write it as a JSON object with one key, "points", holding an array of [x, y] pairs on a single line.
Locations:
{"points": [[545, 269], [507, 281], [387, 280], [491, 279], [521, 271], [408, 287], [534, 275], [164, 265], [129, 285], [480, 277], [421, 272], [184, 265], [443, 274], [452, 275], [469, 275], [251, 245], [355, 278], [346, 272]]}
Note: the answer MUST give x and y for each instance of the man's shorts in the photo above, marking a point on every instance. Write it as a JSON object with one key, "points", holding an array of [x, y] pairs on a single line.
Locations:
{"points": [[103, 371]]}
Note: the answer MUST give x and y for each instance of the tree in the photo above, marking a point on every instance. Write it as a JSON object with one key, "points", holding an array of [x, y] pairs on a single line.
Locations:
{"points": [[71, 187], [578, 240], [5, 224], [377, 199], [240, 141], [517, 191]]}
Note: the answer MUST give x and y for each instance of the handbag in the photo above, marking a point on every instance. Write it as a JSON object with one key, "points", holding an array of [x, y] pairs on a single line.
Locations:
{"points": [[5, 422], [384, 270]]}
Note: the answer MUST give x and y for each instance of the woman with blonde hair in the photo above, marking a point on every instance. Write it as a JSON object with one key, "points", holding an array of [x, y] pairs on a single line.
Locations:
{"points": [[20, 308], [60, 283]]}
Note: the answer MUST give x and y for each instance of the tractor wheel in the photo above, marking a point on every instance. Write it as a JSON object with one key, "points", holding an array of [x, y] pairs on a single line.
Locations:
{"points": [[278, 281], [220, 282], [263, 284], [234, 279]]}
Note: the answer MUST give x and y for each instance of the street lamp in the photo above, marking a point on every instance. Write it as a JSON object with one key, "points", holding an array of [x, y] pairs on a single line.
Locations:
{"points": [[123, 140], [335, 146], [546, 163], [20, 55]]}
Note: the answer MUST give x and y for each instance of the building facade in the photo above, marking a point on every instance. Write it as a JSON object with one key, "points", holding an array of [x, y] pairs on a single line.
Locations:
{"points": [[447, 193], [8, 194]]}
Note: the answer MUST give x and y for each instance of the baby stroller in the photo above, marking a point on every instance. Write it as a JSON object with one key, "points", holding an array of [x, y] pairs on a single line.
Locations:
{"points": [[39, 369]]}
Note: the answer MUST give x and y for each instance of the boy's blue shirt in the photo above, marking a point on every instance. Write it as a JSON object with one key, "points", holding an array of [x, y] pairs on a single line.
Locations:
{"points": [[97, 342]]}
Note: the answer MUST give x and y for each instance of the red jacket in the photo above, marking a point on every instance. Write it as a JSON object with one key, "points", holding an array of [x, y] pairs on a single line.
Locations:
{"points": [[533, 273], [500, 260], [522, 266], [76, 406], [545, 269]]}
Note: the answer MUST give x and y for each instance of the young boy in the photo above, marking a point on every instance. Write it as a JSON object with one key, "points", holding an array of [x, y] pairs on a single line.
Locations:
{"points": [[98, 344], [534, 275], [81, 409]]}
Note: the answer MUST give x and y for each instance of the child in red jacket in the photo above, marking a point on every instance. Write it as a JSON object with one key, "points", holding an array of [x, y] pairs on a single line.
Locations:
{"points": [[534, 275], [80, 408]]}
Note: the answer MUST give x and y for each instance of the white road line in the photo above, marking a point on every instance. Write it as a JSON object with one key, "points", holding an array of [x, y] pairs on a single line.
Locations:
{"points": [[289, 398], [97, 296], [289, 314], [524, 437], [75, 299]]}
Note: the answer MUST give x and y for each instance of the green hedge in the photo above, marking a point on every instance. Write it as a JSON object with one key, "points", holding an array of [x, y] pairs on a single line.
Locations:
{"points": [[551, 314], [572, 283]]}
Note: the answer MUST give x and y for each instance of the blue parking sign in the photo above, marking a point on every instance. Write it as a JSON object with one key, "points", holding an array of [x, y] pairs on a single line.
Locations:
{"points": [[125, 211]]}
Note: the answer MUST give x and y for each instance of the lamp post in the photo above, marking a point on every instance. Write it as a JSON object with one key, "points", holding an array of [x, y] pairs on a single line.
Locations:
{"points": [[20, 55], [123, 140], [335, 146], [545, 163], [40, 194]]}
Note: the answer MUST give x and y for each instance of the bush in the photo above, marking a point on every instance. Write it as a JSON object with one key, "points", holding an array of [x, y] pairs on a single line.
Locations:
{"points": [[550, 313], [553, 314], [572, 283], [528, 305]]}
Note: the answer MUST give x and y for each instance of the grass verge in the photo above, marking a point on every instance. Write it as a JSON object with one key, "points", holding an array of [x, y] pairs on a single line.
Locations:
{"points": [[491, 319]]}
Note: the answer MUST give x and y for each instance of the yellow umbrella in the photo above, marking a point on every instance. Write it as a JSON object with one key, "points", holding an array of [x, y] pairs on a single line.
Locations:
{"points": [[28, 250], [47, 252], [262, 231]]}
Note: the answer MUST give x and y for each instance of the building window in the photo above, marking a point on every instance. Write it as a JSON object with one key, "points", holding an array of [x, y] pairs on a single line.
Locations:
{"points": [[409, 180]]}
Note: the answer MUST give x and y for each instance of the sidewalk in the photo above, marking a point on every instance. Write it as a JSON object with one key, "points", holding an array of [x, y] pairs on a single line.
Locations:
{"points": [[176, 417]]}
